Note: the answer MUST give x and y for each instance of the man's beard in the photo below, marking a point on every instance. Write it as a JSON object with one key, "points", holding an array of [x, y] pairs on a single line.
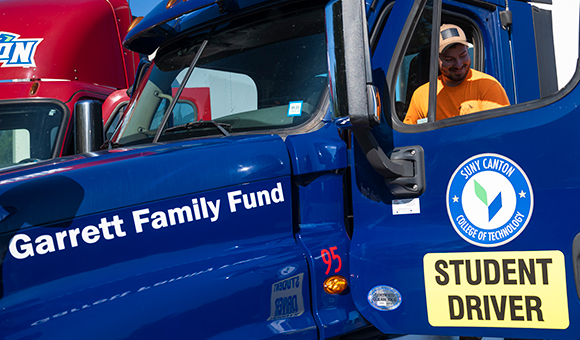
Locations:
{"points": [[452, 75]]}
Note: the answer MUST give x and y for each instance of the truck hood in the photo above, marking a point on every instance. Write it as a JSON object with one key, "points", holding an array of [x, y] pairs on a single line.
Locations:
{"points": [[70, 187]]}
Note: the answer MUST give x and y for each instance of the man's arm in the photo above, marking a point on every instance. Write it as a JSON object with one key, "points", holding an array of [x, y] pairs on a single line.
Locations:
{"points": [[495, 97], [417, 108]]}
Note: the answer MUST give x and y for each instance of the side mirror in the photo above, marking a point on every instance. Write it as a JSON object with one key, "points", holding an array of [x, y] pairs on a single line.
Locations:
{"points": [[355, 100], [88, 126]]}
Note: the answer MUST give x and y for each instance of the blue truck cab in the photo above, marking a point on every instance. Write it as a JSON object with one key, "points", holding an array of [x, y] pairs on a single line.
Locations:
{"points": [[305, 208]]}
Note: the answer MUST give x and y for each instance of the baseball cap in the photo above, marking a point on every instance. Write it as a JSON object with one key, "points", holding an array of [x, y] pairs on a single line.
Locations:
{"points": [[450, 35]]}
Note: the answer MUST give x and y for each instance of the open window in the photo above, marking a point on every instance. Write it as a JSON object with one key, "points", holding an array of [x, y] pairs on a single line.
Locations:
{"points": [[414, 69], [516, 43]]}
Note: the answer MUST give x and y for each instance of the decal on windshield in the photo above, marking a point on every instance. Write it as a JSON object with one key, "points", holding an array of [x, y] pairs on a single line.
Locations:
{"points": [[489, 200], [16, 52], [295, 109]]}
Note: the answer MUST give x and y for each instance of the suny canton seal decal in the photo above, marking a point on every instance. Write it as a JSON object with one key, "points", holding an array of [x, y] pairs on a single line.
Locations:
{"points": [[489, 200]]}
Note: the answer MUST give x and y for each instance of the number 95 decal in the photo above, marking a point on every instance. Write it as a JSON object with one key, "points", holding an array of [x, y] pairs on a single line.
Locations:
{"points": [[329, 257]]}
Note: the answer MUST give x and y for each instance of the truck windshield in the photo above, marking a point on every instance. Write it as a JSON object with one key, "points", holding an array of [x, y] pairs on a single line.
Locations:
{"points": [[28, 132], [258, 75]]}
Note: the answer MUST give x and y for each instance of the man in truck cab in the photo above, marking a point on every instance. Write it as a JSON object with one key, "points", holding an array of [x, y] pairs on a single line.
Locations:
{"points": [[460, 89]]}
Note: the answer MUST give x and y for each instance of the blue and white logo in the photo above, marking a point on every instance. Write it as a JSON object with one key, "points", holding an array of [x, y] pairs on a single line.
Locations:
{"points": [[489, 200], [16, 52]]}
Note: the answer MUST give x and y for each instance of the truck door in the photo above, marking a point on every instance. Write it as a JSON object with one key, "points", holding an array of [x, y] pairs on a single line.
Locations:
{"points": [[489, 246]]}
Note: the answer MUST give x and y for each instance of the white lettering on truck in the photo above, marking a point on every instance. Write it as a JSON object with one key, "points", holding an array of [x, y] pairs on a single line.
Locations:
{"points": [[23, 246]]}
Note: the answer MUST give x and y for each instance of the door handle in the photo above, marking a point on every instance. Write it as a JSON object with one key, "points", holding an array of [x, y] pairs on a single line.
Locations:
{"points": [[576, 262]]}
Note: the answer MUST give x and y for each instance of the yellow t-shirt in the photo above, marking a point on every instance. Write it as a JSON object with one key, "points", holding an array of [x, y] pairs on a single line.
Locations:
{"points": [[478, 92]]}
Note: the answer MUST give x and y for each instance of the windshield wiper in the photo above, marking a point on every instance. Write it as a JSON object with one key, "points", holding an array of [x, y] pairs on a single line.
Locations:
{"points": [[109, 145], [181, 87], [202, 123]]}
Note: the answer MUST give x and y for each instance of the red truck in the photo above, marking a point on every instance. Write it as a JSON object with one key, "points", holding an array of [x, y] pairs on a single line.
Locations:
{"points": [[54, 54]]}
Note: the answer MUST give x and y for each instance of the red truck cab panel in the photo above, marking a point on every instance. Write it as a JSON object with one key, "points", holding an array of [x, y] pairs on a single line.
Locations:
{"points": [[57, 52], [76, 41]]}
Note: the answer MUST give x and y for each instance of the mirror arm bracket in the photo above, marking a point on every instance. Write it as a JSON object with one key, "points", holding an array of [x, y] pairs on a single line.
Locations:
{"points": [[404, 172], [377, 157]]}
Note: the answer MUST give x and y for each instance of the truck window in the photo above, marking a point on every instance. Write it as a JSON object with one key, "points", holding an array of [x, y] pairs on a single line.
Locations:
{"points": [[414, 70], [184, 112], [29, 132], [517, 46], [267, 76]]}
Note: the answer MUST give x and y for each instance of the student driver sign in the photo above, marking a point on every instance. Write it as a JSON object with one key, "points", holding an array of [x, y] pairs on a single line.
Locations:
{"points": [[496, 289]]}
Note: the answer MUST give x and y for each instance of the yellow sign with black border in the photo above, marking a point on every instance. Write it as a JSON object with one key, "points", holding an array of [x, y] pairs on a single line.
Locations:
{"points": [[497, 289]]}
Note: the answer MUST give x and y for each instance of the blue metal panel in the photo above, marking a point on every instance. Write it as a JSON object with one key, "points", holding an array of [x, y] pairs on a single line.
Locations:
{"points": [[525, 59], [323, 236], [156, 172], [156, 242], [317, 151], [150, 32], [316, 158], [389, 249], [162, 23]]}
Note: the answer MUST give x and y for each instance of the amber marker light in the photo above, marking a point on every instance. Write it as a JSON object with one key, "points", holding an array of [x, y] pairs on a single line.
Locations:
{"points": [[335, 284], [378, 99], [34, 88], [134, 23], [170, 3]]}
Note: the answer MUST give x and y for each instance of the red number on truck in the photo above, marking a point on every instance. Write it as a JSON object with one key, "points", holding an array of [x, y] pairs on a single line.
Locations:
{"points": [[328, 257]]}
